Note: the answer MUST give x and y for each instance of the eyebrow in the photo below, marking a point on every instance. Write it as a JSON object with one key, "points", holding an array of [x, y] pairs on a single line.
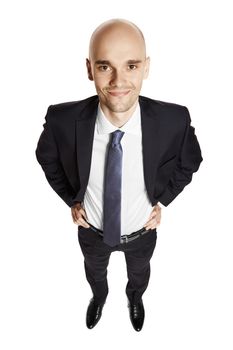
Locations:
{"points": [[108, 62]]}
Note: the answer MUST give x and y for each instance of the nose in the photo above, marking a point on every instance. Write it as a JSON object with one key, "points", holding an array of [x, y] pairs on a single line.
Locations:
{"points": [[117, 79]]}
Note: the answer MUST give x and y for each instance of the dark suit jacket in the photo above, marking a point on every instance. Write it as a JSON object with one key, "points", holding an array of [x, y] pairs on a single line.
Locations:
{"points": [[171, 153]]}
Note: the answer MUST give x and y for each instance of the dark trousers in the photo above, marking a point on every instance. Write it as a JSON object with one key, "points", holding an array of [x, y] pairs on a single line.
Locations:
{"points": [[96, 258]]}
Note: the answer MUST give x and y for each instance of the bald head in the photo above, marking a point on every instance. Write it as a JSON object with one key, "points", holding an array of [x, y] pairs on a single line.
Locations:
{"points": [[117, 64], [114, 30]]}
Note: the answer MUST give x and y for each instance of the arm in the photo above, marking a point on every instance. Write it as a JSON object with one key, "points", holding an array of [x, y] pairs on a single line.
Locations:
{"points": [[47, 156], [188, 162]]}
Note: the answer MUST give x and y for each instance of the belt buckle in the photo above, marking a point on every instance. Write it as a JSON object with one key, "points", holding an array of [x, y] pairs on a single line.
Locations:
{"points": [[124, 239]]}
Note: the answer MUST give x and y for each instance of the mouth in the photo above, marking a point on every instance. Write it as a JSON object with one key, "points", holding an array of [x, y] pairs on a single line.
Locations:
{"points": [[119, 93]]}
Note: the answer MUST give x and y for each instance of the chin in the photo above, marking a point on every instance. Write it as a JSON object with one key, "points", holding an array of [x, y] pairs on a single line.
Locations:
{"points": [[120, 107]]}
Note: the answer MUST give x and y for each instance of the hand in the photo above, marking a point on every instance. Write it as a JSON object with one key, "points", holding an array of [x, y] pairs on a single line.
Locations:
{"points": [[154, 219], [78, 215]]}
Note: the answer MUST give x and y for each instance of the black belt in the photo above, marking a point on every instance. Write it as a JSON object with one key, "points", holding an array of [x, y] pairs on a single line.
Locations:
{"points": [[124, 238]]}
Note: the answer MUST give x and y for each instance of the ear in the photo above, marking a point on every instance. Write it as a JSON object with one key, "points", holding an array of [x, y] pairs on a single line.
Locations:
{"points": [[147, 68], [89, 72]]}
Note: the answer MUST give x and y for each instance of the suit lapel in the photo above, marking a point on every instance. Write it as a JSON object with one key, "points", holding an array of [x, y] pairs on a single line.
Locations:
{"points": [[85, 127], [150, 143]]}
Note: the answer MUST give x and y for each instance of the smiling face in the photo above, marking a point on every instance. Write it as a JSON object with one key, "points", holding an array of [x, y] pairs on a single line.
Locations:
{"points": [[117, 64]]}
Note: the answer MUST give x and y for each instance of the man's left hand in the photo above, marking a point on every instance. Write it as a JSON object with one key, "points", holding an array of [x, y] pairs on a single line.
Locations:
{"points": [[154, 219]]}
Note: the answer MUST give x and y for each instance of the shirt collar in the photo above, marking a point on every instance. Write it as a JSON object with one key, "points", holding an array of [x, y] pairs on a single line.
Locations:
{"points": [[132, 126]]}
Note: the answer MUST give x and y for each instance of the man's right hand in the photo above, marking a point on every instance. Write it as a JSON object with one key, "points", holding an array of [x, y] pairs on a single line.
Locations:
{"points": [[78, 215]]}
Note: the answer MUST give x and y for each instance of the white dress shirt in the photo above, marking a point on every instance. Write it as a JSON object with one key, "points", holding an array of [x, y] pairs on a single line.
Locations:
{"points": [[135, 204]]}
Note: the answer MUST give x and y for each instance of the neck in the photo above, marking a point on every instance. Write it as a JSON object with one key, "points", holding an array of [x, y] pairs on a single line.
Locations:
{"points": [[118, 118]]}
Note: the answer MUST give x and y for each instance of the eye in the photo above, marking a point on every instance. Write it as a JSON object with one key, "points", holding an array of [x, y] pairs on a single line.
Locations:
{"points": [[132, 66], [104, 68]]}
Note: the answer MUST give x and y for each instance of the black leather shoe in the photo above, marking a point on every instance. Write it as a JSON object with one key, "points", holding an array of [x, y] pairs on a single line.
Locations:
{"points": [[137, 314], [94, 312]]}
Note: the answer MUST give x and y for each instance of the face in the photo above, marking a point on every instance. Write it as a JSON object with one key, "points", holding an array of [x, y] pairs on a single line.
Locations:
{"points": [[118, 65]]}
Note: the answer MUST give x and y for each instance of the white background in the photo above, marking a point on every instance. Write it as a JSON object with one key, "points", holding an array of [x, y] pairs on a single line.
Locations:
{"points": [[44, 293]]}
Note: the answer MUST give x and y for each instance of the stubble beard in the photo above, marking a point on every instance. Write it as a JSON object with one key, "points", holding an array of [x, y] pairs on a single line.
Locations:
{"points": [[119, 107]]}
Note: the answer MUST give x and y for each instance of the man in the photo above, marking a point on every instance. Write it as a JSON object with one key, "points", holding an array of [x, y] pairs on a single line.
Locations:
{"points": [[113, 158]]}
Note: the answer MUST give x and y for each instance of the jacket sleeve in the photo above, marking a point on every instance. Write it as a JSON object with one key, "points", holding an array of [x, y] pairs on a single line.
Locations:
{"points": [[188, 162], [48, 157]]}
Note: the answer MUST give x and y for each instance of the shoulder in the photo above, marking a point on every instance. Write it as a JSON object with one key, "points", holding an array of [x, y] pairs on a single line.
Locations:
{"points": [[72, 109], [167, 112], [161, 106]]}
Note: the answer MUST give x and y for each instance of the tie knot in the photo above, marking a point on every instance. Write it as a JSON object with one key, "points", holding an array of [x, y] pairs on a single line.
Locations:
{"points": [[116, 137]]}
